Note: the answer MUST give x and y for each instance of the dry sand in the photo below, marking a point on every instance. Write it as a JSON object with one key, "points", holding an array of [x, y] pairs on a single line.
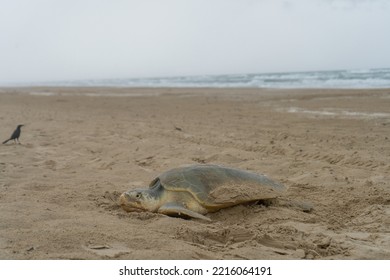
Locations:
{"points": [[82, 147]]}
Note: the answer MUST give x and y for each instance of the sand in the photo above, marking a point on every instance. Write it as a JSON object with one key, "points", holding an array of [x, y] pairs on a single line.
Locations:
{"points": [[82, 147]]}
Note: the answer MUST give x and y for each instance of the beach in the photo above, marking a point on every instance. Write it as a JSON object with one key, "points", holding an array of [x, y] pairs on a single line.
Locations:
{"points": [[82, 147]]}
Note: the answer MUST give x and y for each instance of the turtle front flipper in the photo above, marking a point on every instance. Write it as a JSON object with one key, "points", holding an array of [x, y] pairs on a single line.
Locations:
{"points": [[175, 209]]}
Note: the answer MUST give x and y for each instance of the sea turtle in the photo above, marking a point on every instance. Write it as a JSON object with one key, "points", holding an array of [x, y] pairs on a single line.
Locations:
{"points": [[195, 190]]}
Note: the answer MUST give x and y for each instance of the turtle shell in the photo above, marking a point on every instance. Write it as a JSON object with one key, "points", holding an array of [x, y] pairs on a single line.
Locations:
{"points": [[216, 187]]}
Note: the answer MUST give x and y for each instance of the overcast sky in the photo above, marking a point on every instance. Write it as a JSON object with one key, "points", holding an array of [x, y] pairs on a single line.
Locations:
{"points": [[49, 40]]}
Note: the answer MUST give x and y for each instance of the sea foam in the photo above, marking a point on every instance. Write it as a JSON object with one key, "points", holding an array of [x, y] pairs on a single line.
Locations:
{"points": [[360, 78]]}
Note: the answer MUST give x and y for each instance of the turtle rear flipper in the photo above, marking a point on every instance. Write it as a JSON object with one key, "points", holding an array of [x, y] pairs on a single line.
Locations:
{"points": [[175, 209]]}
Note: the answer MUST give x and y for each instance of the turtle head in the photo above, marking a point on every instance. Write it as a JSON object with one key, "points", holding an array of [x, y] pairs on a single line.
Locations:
{"points": [[138, 200]]}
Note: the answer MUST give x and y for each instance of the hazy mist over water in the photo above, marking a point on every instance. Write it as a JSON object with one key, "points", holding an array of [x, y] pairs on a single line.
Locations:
{"points": [[45, 41]]}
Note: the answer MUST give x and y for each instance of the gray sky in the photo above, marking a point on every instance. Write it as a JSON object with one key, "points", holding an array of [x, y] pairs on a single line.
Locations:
{"points": [[48, 40]]}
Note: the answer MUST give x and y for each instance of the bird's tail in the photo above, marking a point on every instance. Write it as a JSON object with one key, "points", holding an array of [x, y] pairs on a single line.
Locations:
{"points": [[6, 141]]}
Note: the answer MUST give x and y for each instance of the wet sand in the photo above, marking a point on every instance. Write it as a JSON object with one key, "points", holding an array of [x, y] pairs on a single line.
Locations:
{"points": [[82, 147]]}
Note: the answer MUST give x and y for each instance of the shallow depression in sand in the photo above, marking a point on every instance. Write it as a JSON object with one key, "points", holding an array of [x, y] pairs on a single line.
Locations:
{"points": [[335, 112]]}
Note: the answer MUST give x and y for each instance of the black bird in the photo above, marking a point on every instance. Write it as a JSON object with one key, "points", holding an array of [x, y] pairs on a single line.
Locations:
{"points": [[15, 135]]}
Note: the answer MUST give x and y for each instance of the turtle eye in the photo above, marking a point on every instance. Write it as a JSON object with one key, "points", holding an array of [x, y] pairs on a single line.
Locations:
{"points": [[138, 195]]}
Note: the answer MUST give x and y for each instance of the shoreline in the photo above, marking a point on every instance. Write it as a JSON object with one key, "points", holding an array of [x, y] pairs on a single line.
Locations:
{"points": [[186, 91]]}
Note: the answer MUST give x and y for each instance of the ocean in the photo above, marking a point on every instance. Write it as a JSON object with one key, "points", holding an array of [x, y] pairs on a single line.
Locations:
{"points": [[369, 78]]}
